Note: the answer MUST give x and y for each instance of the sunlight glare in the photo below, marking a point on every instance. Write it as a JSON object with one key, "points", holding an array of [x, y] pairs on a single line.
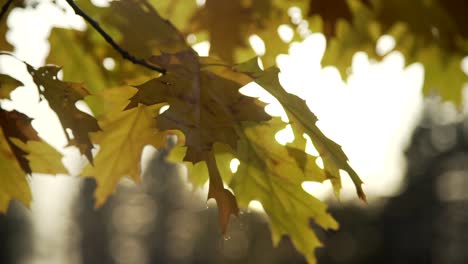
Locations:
{"points": [[83, 107], [202, 48], [319, 190], [295, 13], [108, 63], [101, 3], [371, 116], [252, 89], [234, 165], [310, 148], [256, 206], [275, 109], [464, 65], [385, 44], [286, 33], [163, 109], [257, 44], [319, 162], [191, 39], [285, 135], [200, 3]]}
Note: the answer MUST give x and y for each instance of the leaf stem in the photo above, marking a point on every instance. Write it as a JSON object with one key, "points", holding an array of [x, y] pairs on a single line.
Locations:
{"points": [[125, 54]]}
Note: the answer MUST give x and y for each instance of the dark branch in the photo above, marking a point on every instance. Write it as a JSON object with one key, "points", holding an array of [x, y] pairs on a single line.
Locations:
{"points": [[5, 8], [125, 54]]}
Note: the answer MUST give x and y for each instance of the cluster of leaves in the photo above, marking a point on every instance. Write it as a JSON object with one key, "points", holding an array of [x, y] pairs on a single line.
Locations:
{"points": [[213, 121]]}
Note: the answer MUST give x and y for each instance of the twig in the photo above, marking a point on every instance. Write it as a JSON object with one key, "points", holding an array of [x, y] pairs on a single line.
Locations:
{"points": [[5, 8], [125, 54]]}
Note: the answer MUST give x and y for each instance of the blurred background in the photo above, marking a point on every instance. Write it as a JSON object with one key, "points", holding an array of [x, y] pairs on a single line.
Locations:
{"points": [[410, 151]]}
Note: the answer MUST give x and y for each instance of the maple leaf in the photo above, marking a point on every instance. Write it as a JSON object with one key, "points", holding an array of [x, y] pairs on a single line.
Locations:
{"points": [[121, 142], [303, 122], [7, 85], [21, 152], [18, 125], [212, 17], [330, 11], [62, 97], [79, 62], [143, 32], [242, 19], [138, 29], [205, 104], [267, 173], [204, 99]]}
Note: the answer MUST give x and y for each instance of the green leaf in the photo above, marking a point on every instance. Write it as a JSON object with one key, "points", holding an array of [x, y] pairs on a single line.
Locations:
{"points": [[7, 85], [303, 121], [204, 101], [138, 26], [198, 172], [205, 104], [268, 174], [122, 139]]}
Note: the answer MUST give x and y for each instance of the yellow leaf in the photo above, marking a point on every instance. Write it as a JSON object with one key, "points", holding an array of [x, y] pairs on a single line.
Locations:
{"points": [[205, 104], [42, 157], [13, 184], [22, 152], [121, 142], [204, 99], [268, 174], [7, 85], [197, 172], [303, 121]]}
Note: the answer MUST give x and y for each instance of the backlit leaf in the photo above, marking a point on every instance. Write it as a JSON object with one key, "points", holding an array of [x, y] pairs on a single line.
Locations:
{"points": [[62, 97], [42, 157], [204, 101], [121, 142], [267, 174], [205, 104], [303, 122], [22, 152], [7, 85]]}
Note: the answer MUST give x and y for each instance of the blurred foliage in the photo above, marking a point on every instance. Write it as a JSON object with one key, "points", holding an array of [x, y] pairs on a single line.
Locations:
{"points": [[213, 121]]}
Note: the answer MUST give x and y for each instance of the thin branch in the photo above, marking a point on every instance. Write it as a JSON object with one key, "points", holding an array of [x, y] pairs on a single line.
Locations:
{"points": [[125, 54], [5, 8]]}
